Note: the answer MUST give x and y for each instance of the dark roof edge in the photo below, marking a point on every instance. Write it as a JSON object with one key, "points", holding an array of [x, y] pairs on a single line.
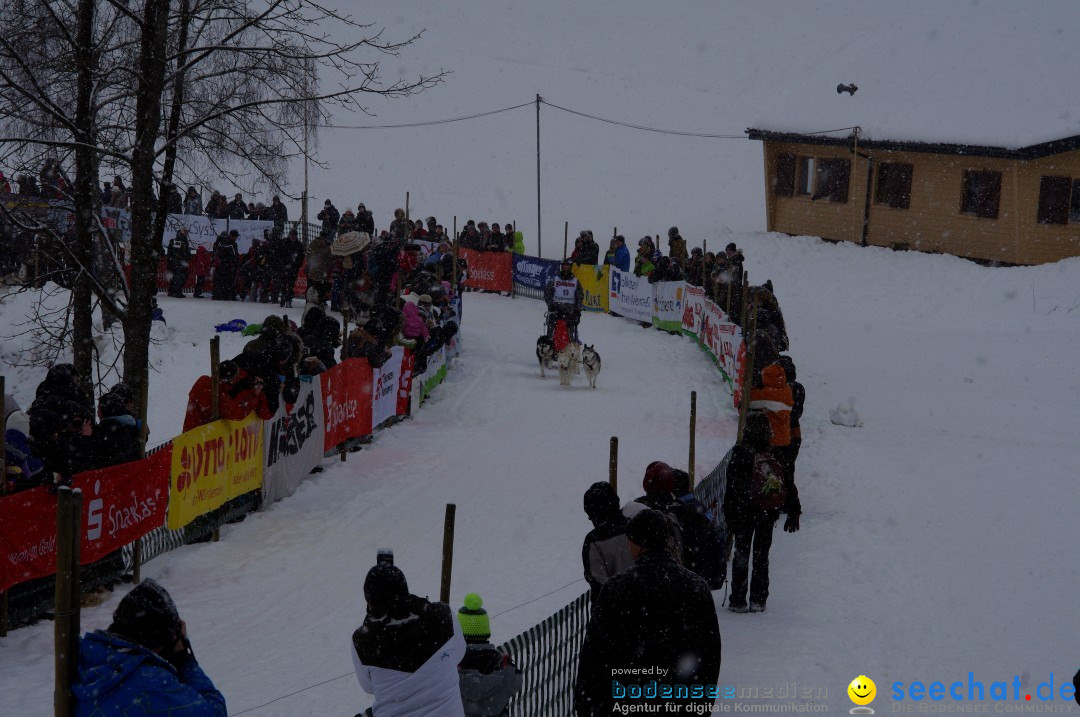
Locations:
{"points": [[1034, 151]]}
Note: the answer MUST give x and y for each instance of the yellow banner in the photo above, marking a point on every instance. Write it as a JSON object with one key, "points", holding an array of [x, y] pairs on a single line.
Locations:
{"points": [[594, 280], [212, 464]]}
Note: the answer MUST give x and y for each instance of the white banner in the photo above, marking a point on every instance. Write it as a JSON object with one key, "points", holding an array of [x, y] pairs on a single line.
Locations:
{"points": [[293, 442], [668, 304], [384, 387], [202, 231], [722, 338], [630, 296], [693, 309]]}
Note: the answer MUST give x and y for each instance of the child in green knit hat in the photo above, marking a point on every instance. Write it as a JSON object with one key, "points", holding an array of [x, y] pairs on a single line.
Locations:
{"points": [[489, 677]]}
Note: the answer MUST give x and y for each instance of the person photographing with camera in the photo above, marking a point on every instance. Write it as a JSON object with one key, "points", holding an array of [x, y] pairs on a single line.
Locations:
{"points": [[407, 651], [143, 663]]}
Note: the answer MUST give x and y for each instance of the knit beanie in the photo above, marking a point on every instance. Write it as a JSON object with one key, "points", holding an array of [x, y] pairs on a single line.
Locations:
{"points": [[384, 587], [147, 615], [650, 529], [474, 619], [658, 478]]}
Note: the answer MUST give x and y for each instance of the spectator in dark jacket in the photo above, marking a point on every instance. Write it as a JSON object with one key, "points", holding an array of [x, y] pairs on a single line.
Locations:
{"points": [[143, 662], [329, 217], [749, 523], [273, 357], [365, 220], [653, 616], [703, 541], [286, 257], [192, 201], [590, 250], [236, 208], [278, 212], [401, 228], [488, 676], [407, 651], [470, 236], [61, 423], [605, 552], [217, 207], [117, 437], [226, 261], [174, 202], [178, 256]]}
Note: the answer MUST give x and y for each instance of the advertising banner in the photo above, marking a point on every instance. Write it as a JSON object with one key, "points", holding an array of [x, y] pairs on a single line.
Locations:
{"points": [[488, 270], [723, 339], [204, 230], [346, 393], [594, 280], [293, 442], [120, 505], [385, 382], [630, 296], [668, 305], [534, 273], [693, 310], [212, 464]]}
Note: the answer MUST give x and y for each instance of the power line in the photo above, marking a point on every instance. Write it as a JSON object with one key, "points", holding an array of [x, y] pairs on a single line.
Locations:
{"points": [[431, 122], [643, 127]]}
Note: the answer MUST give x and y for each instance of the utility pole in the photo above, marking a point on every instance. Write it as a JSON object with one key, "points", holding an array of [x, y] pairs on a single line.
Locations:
{"points": [[539, 252]]}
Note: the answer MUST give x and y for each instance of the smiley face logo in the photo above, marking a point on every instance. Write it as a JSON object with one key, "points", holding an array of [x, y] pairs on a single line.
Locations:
{"points": [[862, 690]]}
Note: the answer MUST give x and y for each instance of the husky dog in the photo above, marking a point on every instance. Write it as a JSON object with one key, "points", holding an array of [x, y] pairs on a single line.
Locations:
{"points": [[545, 353], [569, 363], [591, 360]]}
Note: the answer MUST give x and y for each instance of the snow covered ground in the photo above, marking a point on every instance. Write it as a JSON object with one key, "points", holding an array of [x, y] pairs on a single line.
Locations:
{"points": [[937, 539]]}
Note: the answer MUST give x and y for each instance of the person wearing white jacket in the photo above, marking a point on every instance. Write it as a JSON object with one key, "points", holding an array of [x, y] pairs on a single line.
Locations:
{"points": [[407, 651]]}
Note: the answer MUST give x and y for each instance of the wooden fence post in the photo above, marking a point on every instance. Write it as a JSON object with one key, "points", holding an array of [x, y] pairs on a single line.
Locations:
{"points": [[447, 552], [215, 398], [565, 238], [454, 286], [613, 463], [693, 437], [144, 409], [406, 206], [748, 377], [67, 602]]}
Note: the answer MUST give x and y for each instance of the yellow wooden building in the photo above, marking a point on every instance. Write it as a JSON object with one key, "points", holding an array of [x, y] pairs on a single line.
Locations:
{"points": [[1009, 205]]}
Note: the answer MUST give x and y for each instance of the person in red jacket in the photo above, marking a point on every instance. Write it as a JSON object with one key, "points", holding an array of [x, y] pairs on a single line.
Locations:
{"points": [[240, 395]]}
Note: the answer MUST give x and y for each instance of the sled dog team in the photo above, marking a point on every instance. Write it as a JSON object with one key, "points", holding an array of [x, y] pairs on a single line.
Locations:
{"points": [[570, 360]]}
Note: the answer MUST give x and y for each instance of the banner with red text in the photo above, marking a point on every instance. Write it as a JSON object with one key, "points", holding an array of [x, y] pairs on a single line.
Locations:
{"points": [[346, 392], [385, 383], [724, 341], [120, 505], [693, 310], [212, 464], [489, 270]]}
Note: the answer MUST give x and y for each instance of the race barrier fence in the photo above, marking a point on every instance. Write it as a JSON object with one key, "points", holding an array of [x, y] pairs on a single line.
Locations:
{"points": [[186, 488]]}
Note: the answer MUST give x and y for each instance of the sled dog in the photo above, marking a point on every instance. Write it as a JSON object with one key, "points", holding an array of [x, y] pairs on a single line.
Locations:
{"points": [[591, 361], [545, 353]]}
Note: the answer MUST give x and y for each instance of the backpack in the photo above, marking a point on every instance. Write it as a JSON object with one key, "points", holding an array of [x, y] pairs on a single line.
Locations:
{"points": [[767, 491]]}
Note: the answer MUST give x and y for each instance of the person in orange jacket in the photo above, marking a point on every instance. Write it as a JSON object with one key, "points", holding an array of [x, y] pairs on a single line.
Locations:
{"points": [[774, 396], [240, 394]]}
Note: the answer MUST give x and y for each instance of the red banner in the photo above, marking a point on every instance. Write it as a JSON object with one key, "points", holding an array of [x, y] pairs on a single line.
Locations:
{"points": [[120, 505], [346, 392], [490, 270]]}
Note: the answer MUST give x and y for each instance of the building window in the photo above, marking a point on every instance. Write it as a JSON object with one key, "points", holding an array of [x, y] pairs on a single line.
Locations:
{"points": [[784, 182], [894, 185], [1055, 194], [982, 193], [831, 179], [805, 185], [1074, 208]]}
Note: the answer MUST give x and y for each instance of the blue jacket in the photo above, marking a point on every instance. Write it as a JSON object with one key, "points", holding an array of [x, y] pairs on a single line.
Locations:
{"points": [[622, 259], [117, 677]]}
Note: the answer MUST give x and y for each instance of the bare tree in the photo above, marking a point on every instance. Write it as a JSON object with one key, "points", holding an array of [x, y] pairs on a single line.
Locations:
{"points": [[175, 87]]}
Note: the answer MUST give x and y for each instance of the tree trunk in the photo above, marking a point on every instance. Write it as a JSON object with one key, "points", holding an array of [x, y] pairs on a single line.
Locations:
{"points": [[82, 196], [145, 251]]}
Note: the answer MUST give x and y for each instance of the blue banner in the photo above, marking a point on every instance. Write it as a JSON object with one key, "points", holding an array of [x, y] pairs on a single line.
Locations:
{"points": [[534, 273]]}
